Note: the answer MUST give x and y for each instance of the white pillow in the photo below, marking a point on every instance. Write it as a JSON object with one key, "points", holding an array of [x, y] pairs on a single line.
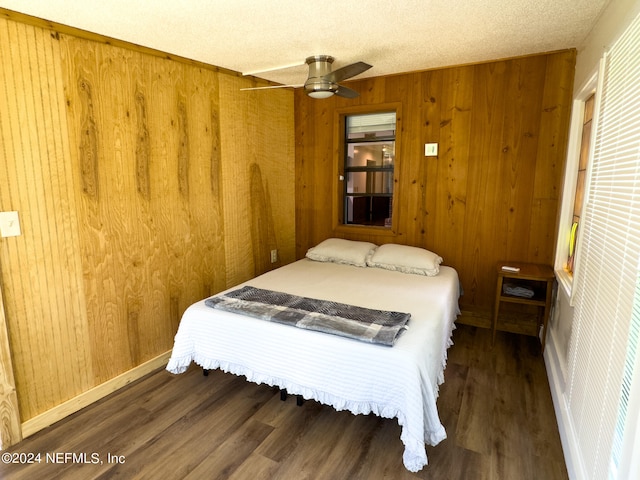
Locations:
{"points": [[403, 258], [338, 250]]}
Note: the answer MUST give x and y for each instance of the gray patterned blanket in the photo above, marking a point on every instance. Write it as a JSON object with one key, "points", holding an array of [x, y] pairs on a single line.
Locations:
{"points": [[368, 325]]}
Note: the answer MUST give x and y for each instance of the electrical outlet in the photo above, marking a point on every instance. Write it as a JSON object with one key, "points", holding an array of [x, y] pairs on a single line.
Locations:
{"points": [[274, 256], [9, 224]]}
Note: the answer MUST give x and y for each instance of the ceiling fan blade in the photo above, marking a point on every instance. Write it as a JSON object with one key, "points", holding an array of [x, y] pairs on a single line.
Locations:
{"points": [[270, 87], [347, 71], [272, 69], [346, 92]]}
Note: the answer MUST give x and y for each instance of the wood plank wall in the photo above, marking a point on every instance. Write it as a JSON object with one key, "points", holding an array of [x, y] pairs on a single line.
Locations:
{"points": [[143, 184], [491, 194]]}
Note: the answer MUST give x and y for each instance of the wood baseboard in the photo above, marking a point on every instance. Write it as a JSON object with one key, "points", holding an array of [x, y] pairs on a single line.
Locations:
{"points": [[475, 318], [522, 321], [65, 409]]}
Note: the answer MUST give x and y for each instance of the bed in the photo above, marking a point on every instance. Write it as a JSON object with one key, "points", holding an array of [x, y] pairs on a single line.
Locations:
{"points": [[399, 381]]}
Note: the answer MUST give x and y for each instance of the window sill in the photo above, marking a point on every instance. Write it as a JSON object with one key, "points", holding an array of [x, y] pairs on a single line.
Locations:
{"points": [[565, 281], [365, 230]]}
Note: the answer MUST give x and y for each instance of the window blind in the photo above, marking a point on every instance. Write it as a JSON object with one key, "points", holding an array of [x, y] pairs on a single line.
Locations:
{"points": [[601, 346], [371, 122], [633, 345]]}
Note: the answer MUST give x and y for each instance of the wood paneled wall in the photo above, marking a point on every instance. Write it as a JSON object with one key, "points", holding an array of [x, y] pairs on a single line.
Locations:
{"points": [[143, 184], [493, 191]]}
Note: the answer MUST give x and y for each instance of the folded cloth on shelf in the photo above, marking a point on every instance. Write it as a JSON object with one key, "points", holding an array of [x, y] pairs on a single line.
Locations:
{"points": [[359, 323], [517, 290]]}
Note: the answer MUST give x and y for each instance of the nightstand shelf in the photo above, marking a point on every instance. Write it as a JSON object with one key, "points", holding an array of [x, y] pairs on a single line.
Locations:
{"points": [[532, 279]]}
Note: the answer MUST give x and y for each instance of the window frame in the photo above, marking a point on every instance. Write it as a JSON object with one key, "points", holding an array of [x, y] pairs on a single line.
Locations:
{"points": [[339, 144], [590, 87]]}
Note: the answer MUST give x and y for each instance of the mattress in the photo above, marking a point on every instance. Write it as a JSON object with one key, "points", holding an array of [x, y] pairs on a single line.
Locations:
{"points": [[392, 382]]}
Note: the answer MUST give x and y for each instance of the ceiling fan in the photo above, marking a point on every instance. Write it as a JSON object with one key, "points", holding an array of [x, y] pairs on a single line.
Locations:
{"points": [[322, 82]]}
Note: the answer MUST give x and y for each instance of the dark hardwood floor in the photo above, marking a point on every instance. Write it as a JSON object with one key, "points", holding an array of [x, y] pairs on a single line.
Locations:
{"points": [[495, 405]]}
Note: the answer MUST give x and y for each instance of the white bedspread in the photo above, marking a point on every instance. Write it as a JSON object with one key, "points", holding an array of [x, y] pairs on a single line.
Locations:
{"points": [[392, 382]]}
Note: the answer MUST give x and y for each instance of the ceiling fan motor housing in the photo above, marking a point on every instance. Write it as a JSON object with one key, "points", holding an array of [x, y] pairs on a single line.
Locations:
{"points": [[319, 68]]}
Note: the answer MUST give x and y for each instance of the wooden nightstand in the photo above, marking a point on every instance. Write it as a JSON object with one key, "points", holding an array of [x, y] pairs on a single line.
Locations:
{"points": [[535, 277]]}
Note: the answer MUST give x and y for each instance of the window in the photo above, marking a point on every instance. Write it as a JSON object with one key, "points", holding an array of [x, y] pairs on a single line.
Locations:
{"points": [[585, 143], [579, 156], [369, 160]]}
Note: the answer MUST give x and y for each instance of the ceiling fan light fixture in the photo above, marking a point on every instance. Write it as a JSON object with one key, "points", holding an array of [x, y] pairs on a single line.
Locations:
{"points": [[320, 94], [318, 87]]}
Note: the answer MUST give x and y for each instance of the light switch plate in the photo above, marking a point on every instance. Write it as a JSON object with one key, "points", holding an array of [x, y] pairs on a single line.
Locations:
{"points": [[9, 224], [430, 149]]}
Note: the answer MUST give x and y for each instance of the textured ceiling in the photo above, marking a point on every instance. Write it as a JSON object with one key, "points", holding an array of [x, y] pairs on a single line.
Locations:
{"points": [[393, 36]]}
